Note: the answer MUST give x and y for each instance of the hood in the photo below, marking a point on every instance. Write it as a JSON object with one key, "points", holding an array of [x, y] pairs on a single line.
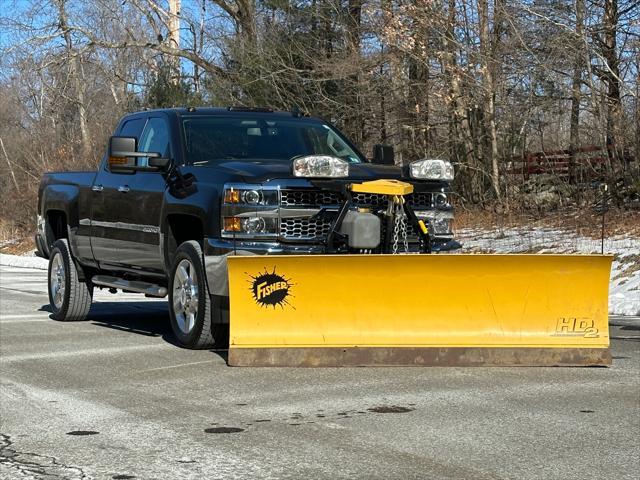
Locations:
{"points": [[258, 171]]}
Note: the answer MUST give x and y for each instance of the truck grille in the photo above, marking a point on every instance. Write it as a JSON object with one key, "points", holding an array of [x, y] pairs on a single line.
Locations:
{"points": [[308, 198], [369, 200], [304, 228], [421, 200]]}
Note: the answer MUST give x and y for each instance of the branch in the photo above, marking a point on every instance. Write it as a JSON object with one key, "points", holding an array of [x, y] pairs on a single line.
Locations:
{"points": [[13, 175], [159, 47]]}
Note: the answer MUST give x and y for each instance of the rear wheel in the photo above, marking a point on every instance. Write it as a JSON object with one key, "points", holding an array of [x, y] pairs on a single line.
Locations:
{"points": [[190, 307], [70, 298]]}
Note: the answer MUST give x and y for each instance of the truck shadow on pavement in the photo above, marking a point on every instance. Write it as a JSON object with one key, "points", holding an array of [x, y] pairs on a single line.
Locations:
{"points": [[147, 318], [150, 319]]}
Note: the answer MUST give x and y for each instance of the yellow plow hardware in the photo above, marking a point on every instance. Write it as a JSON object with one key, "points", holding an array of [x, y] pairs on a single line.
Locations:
{"points": [[383, 187], [339, 310]]}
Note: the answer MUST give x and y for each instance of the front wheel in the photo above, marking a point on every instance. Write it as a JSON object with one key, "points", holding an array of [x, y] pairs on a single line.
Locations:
{"points": [[70, 298], [189, 302]]}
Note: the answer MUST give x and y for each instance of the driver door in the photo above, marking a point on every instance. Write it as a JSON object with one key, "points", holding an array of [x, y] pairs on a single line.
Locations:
{"points": [[112, 211], [148, 196]]}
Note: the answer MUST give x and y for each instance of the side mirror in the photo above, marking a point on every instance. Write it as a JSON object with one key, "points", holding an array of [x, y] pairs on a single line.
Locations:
{"points": [[123, 152], [120, 147], [161, 163], [383, 155]]}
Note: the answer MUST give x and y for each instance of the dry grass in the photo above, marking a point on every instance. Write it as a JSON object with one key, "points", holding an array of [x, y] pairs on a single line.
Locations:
{"points": [[14, 240], [19, 246], [584, 222]]}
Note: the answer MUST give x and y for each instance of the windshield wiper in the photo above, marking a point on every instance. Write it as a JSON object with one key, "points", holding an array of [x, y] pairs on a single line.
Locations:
{"points": [[226, 157]]}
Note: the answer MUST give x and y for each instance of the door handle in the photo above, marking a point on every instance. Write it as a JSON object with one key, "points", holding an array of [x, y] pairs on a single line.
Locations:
{"points": [[123, 188], [97, 188]]}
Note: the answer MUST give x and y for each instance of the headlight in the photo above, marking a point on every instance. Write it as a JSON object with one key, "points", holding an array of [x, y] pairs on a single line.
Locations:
{"points": [[432, 170], [441, 225], [441, 200], [253, 224], [250, 211], [252, 197], [245, 195], [320, 166], [249, 226]]}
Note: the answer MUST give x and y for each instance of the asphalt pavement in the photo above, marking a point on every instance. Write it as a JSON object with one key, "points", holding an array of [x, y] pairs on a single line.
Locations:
{"points": [[112, 397]]}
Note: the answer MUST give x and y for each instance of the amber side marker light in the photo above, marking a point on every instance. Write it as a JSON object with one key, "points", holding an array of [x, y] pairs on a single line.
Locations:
{"points": [[117, 161], [232, 196], [232, 224]]}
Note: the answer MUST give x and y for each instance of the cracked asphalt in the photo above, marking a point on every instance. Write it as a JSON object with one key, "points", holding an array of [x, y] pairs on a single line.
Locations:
{"points": [[113, 398]]}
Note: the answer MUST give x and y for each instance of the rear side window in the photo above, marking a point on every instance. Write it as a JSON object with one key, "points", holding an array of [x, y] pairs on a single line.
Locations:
{"points": [[133, 128]]}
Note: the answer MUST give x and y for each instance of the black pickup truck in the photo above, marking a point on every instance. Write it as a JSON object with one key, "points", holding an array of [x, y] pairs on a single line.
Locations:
{"points": [[179, 190]]}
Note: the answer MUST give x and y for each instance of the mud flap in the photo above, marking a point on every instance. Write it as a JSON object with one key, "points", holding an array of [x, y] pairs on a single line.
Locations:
{"points": [[340, 310]]}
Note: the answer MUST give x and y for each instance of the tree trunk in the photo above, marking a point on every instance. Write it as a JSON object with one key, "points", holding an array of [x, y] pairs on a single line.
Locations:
{"points": [[174, 37], [419, 101], [75, 73], [354, 121], [393, 92], [612, 75], [200, 46], [576, 95], [460, 127], [637, 115], [488, 91], [246, 20]]}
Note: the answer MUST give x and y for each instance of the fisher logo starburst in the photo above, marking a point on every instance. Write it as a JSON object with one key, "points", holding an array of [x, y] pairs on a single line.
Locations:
{"points": [[270, 289]]}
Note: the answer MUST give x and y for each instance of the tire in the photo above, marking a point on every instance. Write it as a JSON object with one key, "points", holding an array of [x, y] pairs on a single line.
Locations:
{"points": [[70, 299], [190, 307]]}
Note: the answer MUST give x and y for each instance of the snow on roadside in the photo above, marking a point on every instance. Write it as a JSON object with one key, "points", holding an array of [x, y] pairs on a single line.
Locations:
{"points": [[24, 261], [624, 285]]}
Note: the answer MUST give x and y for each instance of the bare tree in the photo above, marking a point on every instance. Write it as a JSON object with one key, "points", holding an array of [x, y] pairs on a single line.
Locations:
{"points": [[488, 72], [76, 76], [576, 88], [611, 75]]}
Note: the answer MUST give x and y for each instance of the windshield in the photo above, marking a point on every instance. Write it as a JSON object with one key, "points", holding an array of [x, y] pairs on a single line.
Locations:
{"points": [[214, 139]]}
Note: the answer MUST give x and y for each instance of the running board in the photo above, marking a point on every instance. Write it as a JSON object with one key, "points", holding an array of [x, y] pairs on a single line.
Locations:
{"points": [[150, 289]]}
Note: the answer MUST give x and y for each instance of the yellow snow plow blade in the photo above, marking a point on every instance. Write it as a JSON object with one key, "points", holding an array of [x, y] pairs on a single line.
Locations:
{"points": [[339, 310]]}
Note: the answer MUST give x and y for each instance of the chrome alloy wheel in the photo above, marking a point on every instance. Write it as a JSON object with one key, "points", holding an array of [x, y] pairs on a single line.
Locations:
{"points": [[57, 279], [185, 296]]}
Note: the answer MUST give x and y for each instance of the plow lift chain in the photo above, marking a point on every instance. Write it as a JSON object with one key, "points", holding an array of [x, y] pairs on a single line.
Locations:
{"points": [[398, 217], [396, 211]]}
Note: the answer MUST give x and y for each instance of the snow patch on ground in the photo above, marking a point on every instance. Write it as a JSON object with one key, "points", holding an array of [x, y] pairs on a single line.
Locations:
{"points": [[24, 261], [624, 285]]}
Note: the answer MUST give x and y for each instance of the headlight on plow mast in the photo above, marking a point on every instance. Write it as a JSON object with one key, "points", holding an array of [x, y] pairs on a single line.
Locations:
{"points": [[320, 166], [432, 169]]}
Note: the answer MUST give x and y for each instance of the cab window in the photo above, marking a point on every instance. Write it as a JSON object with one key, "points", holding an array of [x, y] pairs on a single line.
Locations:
{"points": [[132, 128], [155, 138]]}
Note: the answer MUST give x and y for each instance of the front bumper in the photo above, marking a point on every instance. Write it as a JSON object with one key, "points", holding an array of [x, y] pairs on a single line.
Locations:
{"points": [[217, 250]]}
